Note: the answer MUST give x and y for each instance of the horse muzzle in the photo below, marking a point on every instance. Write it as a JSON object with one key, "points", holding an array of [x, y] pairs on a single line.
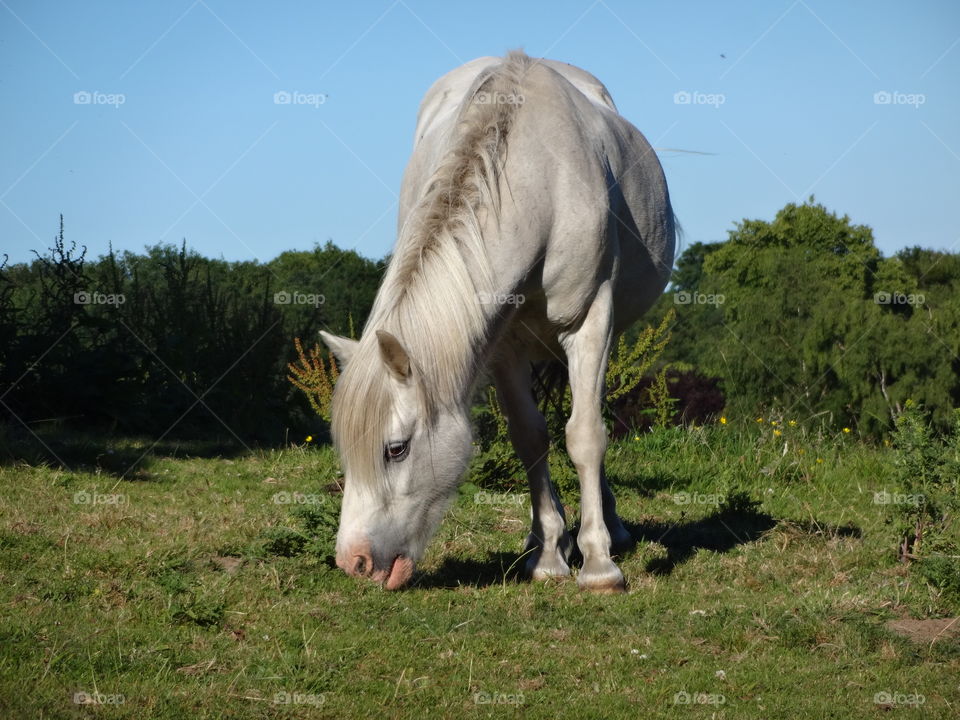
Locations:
{"points": [[358, 560]]}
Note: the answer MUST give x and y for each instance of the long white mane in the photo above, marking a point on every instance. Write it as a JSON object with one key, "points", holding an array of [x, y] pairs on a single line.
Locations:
{"points": [[430, 295]]}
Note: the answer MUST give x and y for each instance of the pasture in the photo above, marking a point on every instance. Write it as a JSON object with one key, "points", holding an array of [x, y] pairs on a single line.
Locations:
{"points": [[764, 585], [168, 527]]}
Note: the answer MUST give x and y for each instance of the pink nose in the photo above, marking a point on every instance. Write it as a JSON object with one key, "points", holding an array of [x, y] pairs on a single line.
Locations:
{"points": [[356, 561]]}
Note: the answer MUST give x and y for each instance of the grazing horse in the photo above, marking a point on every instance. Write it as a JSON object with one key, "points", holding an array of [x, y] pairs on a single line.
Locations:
{"points": [[534, 225]]}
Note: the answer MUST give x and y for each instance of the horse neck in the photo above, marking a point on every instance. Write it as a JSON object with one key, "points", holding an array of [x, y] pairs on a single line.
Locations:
{"points": [[448, 334]]}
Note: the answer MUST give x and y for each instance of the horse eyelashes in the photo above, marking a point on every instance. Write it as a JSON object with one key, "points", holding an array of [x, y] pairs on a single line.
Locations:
{"points": [[395, 452]]}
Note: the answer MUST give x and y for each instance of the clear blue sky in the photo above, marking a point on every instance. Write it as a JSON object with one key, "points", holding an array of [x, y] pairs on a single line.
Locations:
{"points": [[198, 149]]}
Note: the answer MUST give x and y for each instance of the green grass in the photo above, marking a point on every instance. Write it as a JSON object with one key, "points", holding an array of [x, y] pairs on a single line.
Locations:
{"points": [[761, 587]]}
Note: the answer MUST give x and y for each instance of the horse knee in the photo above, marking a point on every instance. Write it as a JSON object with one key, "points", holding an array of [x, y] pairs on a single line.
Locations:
{"points": [[586, 440]]}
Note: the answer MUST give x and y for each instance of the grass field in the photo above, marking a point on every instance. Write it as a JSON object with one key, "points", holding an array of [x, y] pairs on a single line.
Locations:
{"points": [[764, 585]]}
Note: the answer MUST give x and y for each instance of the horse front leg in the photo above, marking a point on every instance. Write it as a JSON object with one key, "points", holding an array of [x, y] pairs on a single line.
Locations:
{"points": [[587, 351], [549, 544]]}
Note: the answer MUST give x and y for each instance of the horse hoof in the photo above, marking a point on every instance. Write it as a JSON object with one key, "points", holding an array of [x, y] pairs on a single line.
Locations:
{"points": [[607, 582], [540, 567], [609, 589]]}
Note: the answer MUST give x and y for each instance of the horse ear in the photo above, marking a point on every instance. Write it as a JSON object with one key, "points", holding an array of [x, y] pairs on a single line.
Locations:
{"points": [[394, 356], [342, 347]]}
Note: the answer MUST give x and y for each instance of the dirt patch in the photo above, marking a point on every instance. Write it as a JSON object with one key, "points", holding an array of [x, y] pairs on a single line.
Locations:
{"points": [[926, 631], [25, 528], [200, 668], [227, 563]]}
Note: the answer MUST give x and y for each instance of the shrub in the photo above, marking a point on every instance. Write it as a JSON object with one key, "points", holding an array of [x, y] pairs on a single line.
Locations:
{"points": [[314, 378], [927, 502]]}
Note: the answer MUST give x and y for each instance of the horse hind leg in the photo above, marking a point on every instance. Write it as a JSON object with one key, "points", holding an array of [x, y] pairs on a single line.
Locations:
{"points": [[621, 540], [549, 545], [587, 351]]}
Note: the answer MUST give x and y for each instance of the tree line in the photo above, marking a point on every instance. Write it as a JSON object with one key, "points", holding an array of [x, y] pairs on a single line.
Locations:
{"points": [[167, 341], [800, 315], [803, 315]]}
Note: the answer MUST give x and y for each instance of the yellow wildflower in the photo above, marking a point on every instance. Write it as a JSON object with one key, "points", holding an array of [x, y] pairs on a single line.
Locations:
{"points": [[846, 429], [309, 438], [777, 433], [723, 420]]}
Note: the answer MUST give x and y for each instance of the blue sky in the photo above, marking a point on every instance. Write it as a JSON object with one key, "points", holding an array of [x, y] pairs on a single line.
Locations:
{"points": [[180, 136]]}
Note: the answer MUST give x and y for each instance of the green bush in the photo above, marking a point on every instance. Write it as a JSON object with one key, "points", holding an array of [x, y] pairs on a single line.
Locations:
{"points": [[927, 501]]}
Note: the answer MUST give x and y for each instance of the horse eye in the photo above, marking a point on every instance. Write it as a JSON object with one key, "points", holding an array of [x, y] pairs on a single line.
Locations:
{"points": [[396, 451]]}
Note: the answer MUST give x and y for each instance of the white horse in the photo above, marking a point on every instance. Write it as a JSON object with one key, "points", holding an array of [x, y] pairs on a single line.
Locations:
{"points": [[534, 224]]}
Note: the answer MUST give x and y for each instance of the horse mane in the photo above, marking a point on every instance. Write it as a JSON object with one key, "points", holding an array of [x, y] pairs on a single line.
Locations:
{"points": [[430, 295]]}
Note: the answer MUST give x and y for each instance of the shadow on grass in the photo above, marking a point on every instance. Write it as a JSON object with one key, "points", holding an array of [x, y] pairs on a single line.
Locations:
{"points": [[812, 527], [129, 458], [495, 569], [719, 532], [643, 485]]}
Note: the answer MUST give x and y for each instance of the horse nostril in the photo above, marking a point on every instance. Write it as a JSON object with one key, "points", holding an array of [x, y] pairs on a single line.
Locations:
{"points": [[362, 564], [356, 559]]}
